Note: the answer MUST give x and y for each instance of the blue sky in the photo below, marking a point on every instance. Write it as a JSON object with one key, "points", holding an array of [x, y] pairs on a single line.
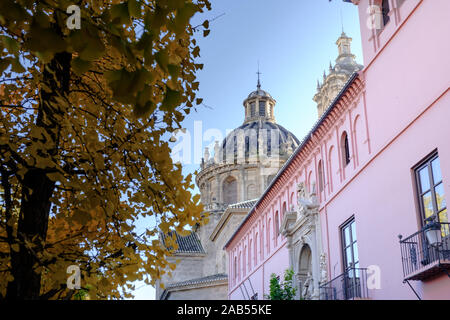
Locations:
{"points": [[294, 41]]}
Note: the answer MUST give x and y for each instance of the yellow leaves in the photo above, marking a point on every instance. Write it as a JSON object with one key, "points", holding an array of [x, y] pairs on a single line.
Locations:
{"points": [[164, 226], [104, 282], [43, 163], [120, 14], [56, 176], [16, 66], [4, 64], [162, 58], [37, 132], [87, 42], [11, 12], [81, 217], [15, 247], [196, 198], [80, 66], [44, 41], [172, 99], [134, 8], [183, 15], [10, 44]]}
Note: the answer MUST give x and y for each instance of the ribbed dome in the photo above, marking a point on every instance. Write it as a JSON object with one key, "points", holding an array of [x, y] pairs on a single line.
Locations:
{"points": [[259, 93], [255, 138]]}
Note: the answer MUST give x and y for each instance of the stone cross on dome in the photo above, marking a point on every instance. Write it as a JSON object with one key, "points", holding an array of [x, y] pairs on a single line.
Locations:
{"points": [[258, 85]]}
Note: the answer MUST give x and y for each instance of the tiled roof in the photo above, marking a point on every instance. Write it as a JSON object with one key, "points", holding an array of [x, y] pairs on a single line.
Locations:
{"points": [[203, 280], [186, 244], [244, 204]]}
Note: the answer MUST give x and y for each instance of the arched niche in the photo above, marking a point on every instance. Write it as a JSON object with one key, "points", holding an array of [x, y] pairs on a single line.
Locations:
{"points": [[230, 190]]}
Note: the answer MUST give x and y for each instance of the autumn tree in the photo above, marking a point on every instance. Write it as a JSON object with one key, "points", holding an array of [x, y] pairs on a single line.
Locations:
{"points": [[84, 118]]}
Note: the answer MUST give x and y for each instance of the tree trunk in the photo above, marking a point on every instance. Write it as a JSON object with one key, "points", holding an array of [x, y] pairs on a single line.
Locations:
{"points": [[37, 188]]}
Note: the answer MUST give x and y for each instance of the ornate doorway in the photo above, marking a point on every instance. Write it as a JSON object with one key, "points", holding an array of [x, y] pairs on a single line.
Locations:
{"points": [[306, 283]]}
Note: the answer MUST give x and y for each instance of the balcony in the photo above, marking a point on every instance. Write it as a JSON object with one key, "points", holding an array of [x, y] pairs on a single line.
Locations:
{"points": [[351, 285], [422, 259]]}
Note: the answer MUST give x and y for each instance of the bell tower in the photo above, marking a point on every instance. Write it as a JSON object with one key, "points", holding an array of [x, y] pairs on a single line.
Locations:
{"points": [[338, 74]]}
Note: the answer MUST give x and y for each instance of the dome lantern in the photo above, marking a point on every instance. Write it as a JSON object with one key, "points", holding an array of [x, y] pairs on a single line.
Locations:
{"points": [[259, 105]]}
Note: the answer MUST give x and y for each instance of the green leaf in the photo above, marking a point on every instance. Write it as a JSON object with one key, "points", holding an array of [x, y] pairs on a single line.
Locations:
{"points": [[16, 66], [93, 46], [80, 66], [171, 100], [134, 8], [174, 70], [4, 64], [141, 110], [10, 44], [184, 14], [162, 58], [120, 14], [44, 40]]}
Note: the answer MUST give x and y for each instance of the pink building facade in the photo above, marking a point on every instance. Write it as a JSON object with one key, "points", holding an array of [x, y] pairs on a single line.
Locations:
{"points": [[375, 166]]}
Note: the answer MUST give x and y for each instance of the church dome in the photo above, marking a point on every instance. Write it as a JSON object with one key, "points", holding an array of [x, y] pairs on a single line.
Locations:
{"points": [[259, 93], [258, 138]]}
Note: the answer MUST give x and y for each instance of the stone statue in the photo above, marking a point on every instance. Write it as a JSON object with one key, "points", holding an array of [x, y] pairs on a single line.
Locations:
{"points": [[306, 202], [216, 151], [308, 287], [301, 192], [323, 268]]}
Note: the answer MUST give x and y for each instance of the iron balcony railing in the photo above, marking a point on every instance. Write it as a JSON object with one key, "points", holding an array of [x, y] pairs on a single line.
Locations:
{"points": [[352, 284], [421, 259]]}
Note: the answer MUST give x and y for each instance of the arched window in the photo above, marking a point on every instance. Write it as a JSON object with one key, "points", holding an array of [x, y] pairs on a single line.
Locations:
{"points": [[244, 266], [261, 246], [250, 255], [251, 192], [269, 225], [345, 149], [309, 184], [292, 201], [385, 11], [332, 164], [239, 266], [256, 250], [277, 227], [320, 174], [252, 109], [359, 138], [283, 210], [230, 190], [235, 269], [262, 108]]}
